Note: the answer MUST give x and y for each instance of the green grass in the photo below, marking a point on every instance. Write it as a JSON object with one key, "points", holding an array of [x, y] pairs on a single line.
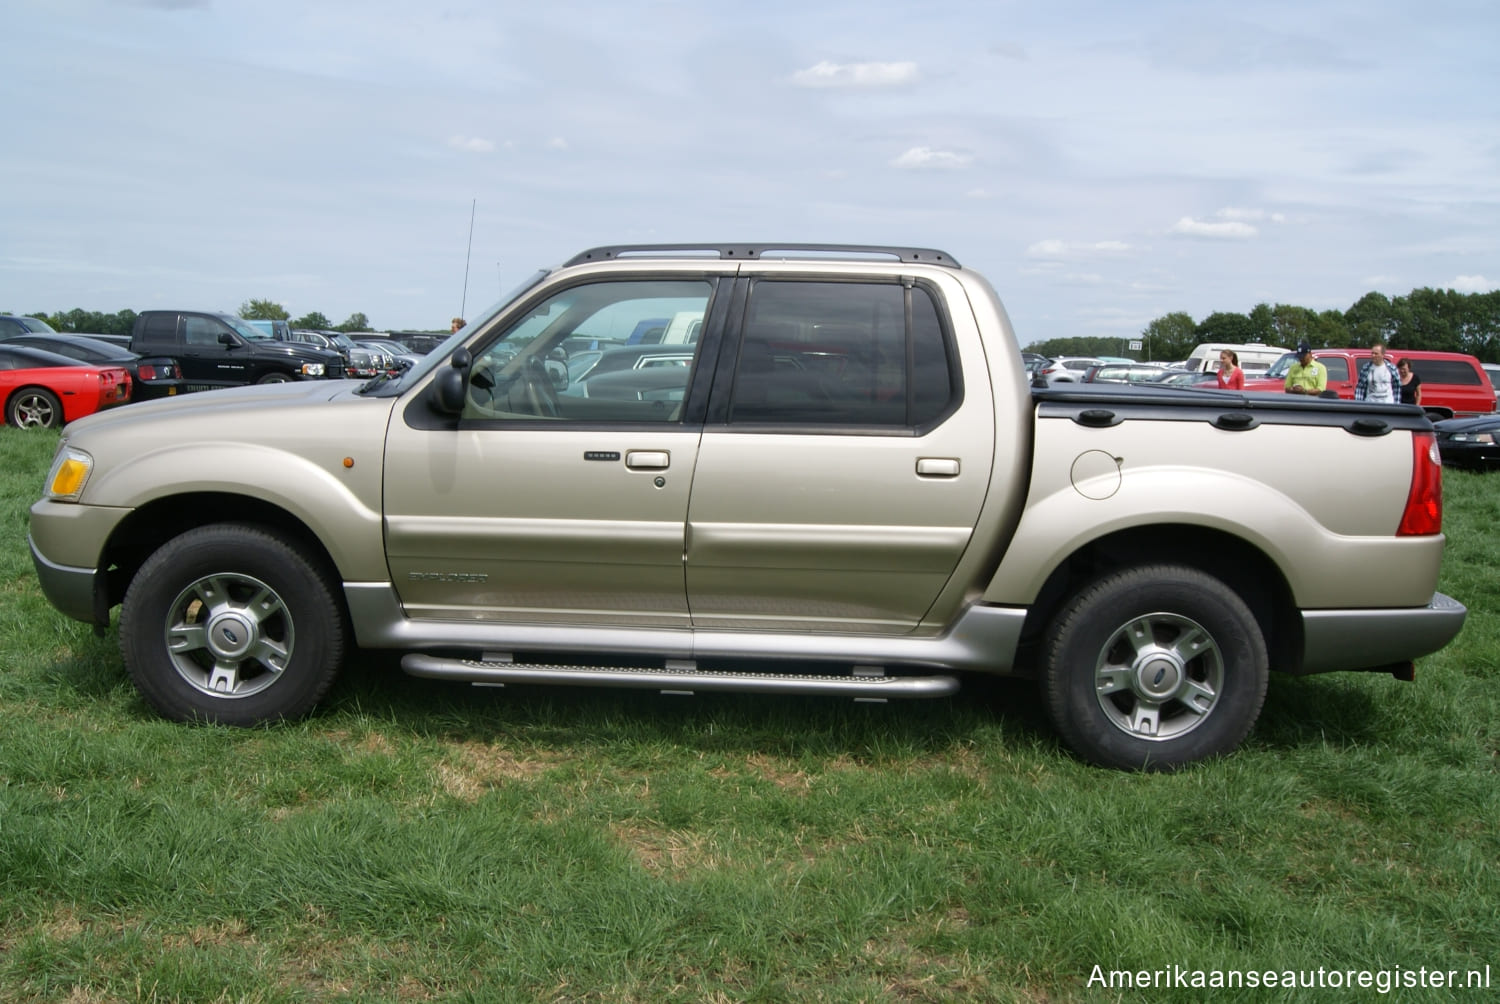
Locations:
{"points": [[421, 841]]}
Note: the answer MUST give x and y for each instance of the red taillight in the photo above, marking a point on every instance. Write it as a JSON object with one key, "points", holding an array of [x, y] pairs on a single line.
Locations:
{"points": [[146, 372], [1424, 503]]}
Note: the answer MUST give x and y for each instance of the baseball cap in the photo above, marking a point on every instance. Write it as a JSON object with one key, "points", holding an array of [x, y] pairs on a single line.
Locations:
{"points": [[1303, 348]]}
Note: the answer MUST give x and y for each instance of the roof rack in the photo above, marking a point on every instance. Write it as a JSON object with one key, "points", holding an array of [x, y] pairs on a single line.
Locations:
{"points": [[926, 256]]}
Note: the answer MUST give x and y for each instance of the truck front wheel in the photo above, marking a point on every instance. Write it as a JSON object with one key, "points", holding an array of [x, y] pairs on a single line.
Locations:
{"points": [[229, 623], [1152, 668], [275, 377]]}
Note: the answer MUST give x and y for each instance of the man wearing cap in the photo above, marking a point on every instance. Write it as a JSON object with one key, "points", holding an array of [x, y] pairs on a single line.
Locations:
{"points": [[1306, 375]]}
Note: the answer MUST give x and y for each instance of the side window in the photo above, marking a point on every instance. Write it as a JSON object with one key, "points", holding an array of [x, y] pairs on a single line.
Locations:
{"points": [[839, 353], [528, 373], [1338, 368], [161, 327], [201, 330], [1449, 371], [9, 327]]}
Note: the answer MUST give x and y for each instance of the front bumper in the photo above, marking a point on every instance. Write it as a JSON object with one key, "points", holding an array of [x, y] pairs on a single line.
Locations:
{"points": [[74, 591]]}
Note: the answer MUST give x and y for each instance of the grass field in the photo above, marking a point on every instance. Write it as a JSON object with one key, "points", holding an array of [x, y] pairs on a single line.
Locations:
{"points": [[421, 841]]}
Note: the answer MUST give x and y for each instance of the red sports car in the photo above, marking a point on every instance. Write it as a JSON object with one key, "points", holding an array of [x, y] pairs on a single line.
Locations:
{"points": [[44, 389]]}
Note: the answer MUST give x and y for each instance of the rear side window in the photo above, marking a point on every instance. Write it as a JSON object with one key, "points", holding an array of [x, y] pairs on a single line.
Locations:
{"points": [[1338, 367], [161, 327], [1449, 371], [840, 353]]}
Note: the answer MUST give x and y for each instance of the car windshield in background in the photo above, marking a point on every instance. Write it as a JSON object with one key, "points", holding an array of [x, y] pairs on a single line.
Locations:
{"points": [[1279, 367], [244, 330]]}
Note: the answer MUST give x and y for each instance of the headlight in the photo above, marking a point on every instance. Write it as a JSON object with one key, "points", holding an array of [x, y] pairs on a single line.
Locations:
{"points": [[70, 472], [312, 369]]}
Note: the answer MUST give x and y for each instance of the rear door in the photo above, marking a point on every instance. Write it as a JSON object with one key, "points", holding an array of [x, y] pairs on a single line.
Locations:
{"points": [[845, 457]]}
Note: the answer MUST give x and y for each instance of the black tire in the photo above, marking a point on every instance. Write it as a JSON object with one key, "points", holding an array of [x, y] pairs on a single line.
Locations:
{"points": [[1152, 668], [33, 408], [276, 377], [229, 623]]}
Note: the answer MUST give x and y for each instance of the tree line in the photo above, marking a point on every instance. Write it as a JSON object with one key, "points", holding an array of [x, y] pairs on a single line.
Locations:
{"points": [[1432, 319]]}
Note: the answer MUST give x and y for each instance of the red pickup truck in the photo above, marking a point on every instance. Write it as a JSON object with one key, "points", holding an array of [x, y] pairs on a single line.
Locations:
{"points": [[1453, 384]]}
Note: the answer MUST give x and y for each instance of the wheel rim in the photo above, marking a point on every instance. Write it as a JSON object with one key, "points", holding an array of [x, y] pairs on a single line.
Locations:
{"points": [[33, 410], [229, 635], [1159, 676]]}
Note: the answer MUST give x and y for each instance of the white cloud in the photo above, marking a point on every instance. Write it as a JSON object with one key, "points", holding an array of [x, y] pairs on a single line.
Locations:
{"points": [[920, 157], [471, 144], [1229, 230], [1473, 284], [557, 143], [1075, 249], [978, 193], [1249, 215], [826, 74]]}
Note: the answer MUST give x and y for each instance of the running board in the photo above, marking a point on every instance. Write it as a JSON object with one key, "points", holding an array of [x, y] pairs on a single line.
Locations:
{"points": [[681, 677]]}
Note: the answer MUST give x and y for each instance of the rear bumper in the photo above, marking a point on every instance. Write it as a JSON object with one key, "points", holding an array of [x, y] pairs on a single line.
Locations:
{"points": [[1335, 640]]}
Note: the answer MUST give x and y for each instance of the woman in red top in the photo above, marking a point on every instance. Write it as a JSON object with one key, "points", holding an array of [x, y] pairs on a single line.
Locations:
{"points": [[1231, 377]]}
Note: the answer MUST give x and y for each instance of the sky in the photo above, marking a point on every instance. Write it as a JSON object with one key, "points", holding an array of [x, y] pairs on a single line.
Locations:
{"points": [[1101, 163]]}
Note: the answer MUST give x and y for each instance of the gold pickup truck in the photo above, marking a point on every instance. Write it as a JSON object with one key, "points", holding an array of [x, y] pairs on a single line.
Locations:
{"points": [[804, 469]]}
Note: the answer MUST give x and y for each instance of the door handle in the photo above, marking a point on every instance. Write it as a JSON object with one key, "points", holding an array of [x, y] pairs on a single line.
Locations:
{"points": [[937, 467], [648, 460]]}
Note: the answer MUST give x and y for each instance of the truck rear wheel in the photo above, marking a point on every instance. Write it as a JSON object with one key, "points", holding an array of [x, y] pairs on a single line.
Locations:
{"points": [[229, 623], [1152, 668]]}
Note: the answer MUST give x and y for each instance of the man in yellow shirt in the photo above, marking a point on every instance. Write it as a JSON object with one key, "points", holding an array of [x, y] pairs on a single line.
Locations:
{"points": [[1306, 375]]}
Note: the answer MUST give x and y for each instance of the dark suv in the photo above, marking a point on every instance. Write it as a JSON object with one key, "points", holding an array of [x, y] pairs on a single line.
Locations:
{"points": [[221, 350]]}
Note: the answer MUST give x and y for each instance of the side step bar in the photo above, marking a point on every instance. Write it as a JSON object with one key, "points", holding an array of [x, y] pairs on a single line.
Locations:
{"points": [[680, 677]]}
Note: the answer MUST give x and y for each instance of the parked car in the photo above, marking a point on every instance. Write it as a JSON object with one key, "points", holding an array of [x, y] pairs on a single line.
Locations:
{"points": [[1066, 369], [1453, 384], [18, 324], [1252, 355], [1472, 443], [1122, 373], [586, 365], [42, 389], [858, 495], [221, 350], [403, 357], [360, 363], [1185, 378], [150, 376], [1492, 370]]}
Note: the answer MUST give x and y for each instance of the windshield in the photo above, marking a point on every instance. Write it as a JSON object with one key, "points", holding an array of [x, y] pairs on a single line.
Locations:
{"points": [[440, 355], [36, 324], [244, 328], [1280, 366]]}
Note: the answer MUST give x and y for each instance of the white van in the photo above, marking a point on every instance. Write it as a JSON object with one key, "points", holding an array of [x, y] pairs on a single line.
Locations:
{"points": [[1253, 356]]}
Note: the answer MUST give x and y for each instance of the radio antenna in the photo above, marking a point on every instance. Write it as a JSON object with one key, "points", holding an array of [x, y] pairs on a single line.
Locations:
{"points": [[467, 254]]}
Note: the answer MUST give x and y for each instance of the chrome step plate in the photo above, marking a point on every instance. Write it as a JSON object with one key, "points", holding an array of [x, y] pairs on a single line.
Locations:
{"points": [[677, 679]]}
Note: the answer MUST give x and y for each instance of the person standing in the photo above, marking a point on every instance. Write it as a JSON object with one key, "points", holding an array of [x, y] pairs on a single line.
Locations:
{"points": [[1306, 375], [1411, 384], [1380, 380], [1231, 377]]}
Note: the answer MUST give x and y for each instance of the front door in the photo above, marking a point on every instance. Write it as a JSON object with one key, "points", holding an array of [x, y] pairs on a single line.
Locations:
{"points": [[843, 466], [206, 361], [552, 501]]}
